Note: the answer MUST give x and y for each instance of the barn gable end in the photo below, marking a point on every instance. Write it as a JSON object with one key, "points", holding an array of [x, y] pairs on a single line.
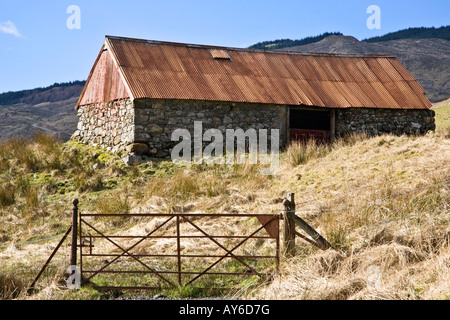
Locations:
{"points": [[105, 83]]}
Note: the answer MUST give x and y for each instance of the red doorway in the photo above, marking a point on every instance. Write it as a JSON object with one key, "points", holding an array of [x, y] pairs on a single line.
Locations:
{"points": [[306, 124]]}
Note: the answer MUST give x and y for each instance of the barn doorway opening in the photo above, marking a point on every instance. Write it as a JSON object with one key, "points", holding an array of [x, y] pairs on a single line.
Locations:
{"points": [[305, 124]]}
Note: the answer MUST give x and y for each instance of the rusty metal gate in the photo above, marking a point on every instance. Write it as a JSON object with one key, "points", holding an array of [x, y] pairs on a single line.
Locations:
{"points": [[177, 250]]}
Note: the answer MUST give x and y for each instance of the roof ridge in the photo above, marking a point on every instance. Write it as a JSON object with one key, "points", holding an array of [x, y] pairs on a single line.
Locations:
{"points": [[202, 46]]}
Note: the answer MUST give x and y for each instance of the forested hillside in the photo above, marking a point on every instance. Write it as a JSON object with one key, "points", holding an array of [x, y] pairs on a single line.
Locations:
{"points": [[410, 33], [53, 93], [286, 43], [414, 33]]}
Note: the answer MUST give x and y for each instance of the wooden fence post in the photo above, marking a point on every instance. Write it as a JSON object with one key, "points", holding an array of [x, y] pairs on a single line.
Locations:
{"points": [[73, 256], [320, 241], [289, 225]]}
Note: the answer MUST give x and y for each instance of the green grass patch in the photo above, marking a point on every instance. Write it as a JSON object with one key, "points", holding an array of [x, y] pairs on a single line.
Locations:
{"points": [[442, 118]]}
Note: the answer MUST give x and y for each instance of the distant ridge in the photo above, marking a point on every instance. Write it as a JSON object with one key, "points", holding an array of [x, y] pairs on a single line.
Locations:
{"points": [[286, 43], [53, 93], [410, 33], [414, 33]]}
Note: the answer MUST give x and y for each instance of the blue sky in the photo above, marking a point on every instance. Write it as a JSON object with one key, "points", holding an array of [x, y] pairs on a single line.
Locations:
{"points": [[37, 48]]}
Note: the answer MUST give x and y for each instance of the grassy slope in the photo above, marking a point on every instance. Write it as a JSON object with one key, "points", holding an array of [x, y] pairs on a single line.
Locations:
{"points": [[442, 110], [346, 195], [343, 191]]}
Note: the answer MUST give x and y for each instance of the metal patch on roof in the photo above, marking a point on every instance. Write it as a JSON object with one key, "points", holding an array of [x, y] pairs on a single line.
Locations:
{"points": [[220, 54]]}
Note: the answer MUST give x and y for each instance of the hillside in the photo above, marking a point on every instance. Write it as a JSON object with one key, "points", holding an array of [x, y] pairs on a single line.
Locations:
{"points": [[410, 33], [54, 93], [286, 43], [49, 110], [442, 110], [382, 202], [22, 120], [414, 33]]}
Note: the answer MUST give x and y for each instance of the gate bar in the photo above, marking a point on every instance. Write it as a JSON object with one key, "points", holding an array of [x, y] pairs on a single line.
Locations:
{"points": [[179, 251], [50, 259], [170, 215], [73, 256], [229, 252], [128, 253]]}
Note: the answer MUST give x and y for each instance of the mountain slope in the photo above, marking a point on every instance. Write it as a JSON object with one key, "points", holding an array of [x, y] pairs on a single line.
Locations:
{"points": [[21, 120], [410, 33], [285, 43], [53, 93], [415, 33], [49, 109]]}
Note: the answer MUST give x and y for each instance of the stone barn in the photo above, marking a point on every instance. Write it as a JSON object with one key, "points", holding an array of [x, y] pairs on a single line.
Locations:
{"points": [[138, 92]]}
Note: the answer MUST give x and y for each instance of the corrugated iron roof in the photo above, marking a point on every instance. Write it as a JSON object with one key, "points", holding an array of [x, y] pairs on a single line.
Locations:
{"points": [[165, 70]]}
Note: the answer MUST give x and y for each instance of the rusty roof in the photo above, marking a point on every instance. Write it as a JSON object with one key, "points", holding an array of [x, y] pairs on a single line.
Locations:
{"points": [[165, 70]]}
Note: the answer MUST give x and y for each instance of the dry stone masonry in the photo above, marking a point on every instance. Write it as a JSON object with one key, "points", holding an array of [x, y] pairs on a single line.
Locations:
{"points": [[157, 120], [108, 124], [384, 121], [144, 127]]}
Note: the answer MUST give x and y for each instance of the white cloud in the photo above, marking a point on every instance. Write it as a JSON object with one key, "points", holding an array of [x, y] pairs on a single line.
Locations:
{"points": [[9, 27]]}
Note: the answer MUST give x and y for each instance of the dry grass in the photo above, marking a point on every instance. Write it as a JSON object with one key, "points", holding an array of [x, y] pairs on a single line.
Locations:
{"points": [[442, 110], [300, 152], [344, 191], [113, 204], [11, 286], [387, 270], [219, 188], [384, 204], [7, 195]]}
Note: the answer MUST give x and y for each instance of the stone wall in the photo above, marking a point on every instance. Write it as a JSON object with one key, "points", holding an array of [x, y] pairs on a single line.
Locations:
{"points": [[157, 120], [108, 124], [384, 121], [145, 126]]}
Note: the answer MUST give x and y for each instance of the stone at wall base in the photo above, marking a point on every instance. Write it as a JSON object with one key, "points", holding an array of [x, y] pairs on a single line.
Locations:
{"points": [[132, 160], [75, 135], [138, 148]]}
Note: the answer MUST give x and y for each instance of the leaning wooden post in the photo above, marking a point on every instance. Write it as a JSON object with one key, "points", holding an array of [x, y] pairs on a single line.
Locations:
{"points": [[289, 226], [73, 256]]}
